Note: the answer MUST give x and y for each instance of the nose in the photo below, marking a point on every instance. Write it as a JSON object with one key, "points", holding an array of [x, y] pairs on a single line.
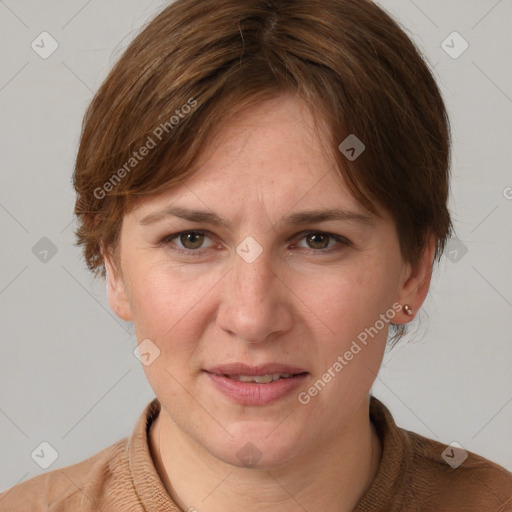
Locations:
{"points": [[256, 305]]}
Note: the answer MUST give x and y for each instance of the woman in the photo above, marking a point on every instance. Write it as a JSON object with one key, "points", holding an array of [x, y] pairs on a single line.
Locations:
{"points": [[264, 186]]}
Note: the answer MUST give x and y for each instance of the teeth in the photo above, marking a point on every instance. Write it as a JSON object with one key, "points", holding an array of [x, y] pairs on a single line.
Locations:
{"points": [[260, 379]]}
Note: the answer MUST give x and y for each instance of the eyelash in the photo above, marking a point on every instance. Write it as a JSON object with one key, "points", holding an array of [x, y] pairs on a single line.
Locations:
{"points": [[166, 241]]}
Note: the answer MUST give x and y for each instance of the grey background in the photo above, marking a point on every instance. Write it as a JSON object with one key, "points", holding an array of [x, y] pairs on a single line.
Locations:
{"points": [[68, 375]]}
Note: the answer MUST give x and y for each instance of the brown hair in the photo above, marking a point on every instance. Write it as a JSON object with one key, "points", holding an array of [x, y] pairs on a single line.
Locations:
{"points": [[197, 63]]}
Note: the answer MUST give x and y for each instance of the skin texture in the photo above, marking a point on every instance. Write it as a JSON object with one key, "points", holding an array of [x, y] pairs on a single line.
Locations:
{"points": [[301, 302]]}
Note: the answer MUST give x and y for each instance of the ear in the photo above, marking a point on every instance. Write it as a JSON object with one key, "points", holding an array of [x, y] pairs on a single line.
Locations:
{"points": [[416, 283], [116, 288]]}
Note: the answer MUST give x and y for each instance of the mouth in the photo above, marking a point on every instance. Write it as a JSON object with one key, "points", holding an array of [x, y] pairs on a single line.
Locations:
{"points": [[262, 379], [261, 374], [256, 385]]}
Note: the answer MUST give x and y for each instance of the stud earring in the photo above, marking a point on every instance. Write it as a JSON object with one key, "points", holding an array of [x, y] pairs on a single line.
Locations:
{"points": [[408, 310]]}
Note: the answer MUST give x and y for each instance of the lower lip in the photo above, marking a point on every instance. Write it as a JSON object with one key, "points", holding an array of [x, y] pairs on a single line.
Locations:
{"points": [[252, 393]]}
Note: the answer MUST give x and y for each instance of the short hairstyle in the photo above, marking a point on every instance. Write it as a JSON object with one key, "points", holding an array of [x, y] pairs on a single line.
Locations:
{"points": [[198, 63]]}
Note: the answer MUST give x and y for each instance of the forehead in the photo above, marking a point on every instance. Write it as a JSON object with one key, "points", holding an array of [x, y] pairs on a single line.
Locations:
{"points": [[272, 157], [270, 132]]}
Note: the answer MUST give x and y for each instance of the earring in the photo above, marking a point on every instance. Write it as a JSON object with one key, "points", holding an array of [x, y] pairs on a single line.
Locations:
{"points": [[408, 310]]}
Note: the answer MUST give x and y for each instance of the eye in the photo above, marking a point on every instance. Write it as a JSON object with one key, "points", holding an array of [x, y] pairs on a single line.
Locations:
{"points": [[191, 240], [187, 241], [319, 241]]}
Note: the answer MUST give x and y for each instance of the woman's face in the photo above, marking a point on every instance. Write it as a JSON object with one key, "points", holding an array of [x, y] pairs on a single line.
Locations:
{"points": [[261, 277]]}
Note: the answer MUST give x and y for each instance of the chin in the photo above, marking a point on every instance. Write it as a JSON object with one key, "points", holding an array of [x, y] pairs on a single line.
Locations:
{"points": [[254, 448]]}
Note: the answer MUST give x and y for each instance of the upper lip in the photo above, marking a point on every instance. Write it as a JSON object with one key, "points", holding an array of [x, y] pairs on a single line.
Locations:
{"points": [[253, 370]]}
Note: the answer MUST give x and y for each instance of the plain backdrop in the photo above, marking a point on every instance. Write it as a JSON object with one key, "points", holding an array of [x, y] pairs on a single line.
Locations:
{"points": [[68, 376]]}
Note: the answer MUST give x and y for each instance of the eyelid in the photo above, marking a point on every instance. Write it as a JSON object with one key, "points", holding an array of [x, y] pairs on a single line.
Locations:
{"points": [[166, 240], [341, 241], [338, 238]]}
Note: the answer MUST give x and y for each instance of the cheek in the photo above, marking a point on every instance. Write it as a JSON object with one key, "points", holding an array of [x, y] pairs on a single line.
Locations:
{"points": [[356, 307], [167, 302], [350, 354], [170, 308], [352, 299]]}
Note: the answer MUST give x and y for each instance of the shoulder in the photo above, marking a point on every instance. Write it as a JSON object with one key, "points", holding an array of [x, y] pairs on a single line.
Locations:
{"points": [[76, 487], [455, 479], [418, 474]]}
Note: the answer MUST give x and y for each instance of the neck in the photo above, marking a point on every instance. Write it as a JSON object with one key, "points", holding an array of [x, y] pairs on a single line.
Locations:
{"points": [[333, 475]]}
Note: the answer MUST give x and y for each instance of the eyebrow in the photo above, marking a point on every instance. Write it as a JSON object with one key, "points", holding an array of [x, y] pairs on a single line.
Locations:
{"points": [[300, 218]]}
